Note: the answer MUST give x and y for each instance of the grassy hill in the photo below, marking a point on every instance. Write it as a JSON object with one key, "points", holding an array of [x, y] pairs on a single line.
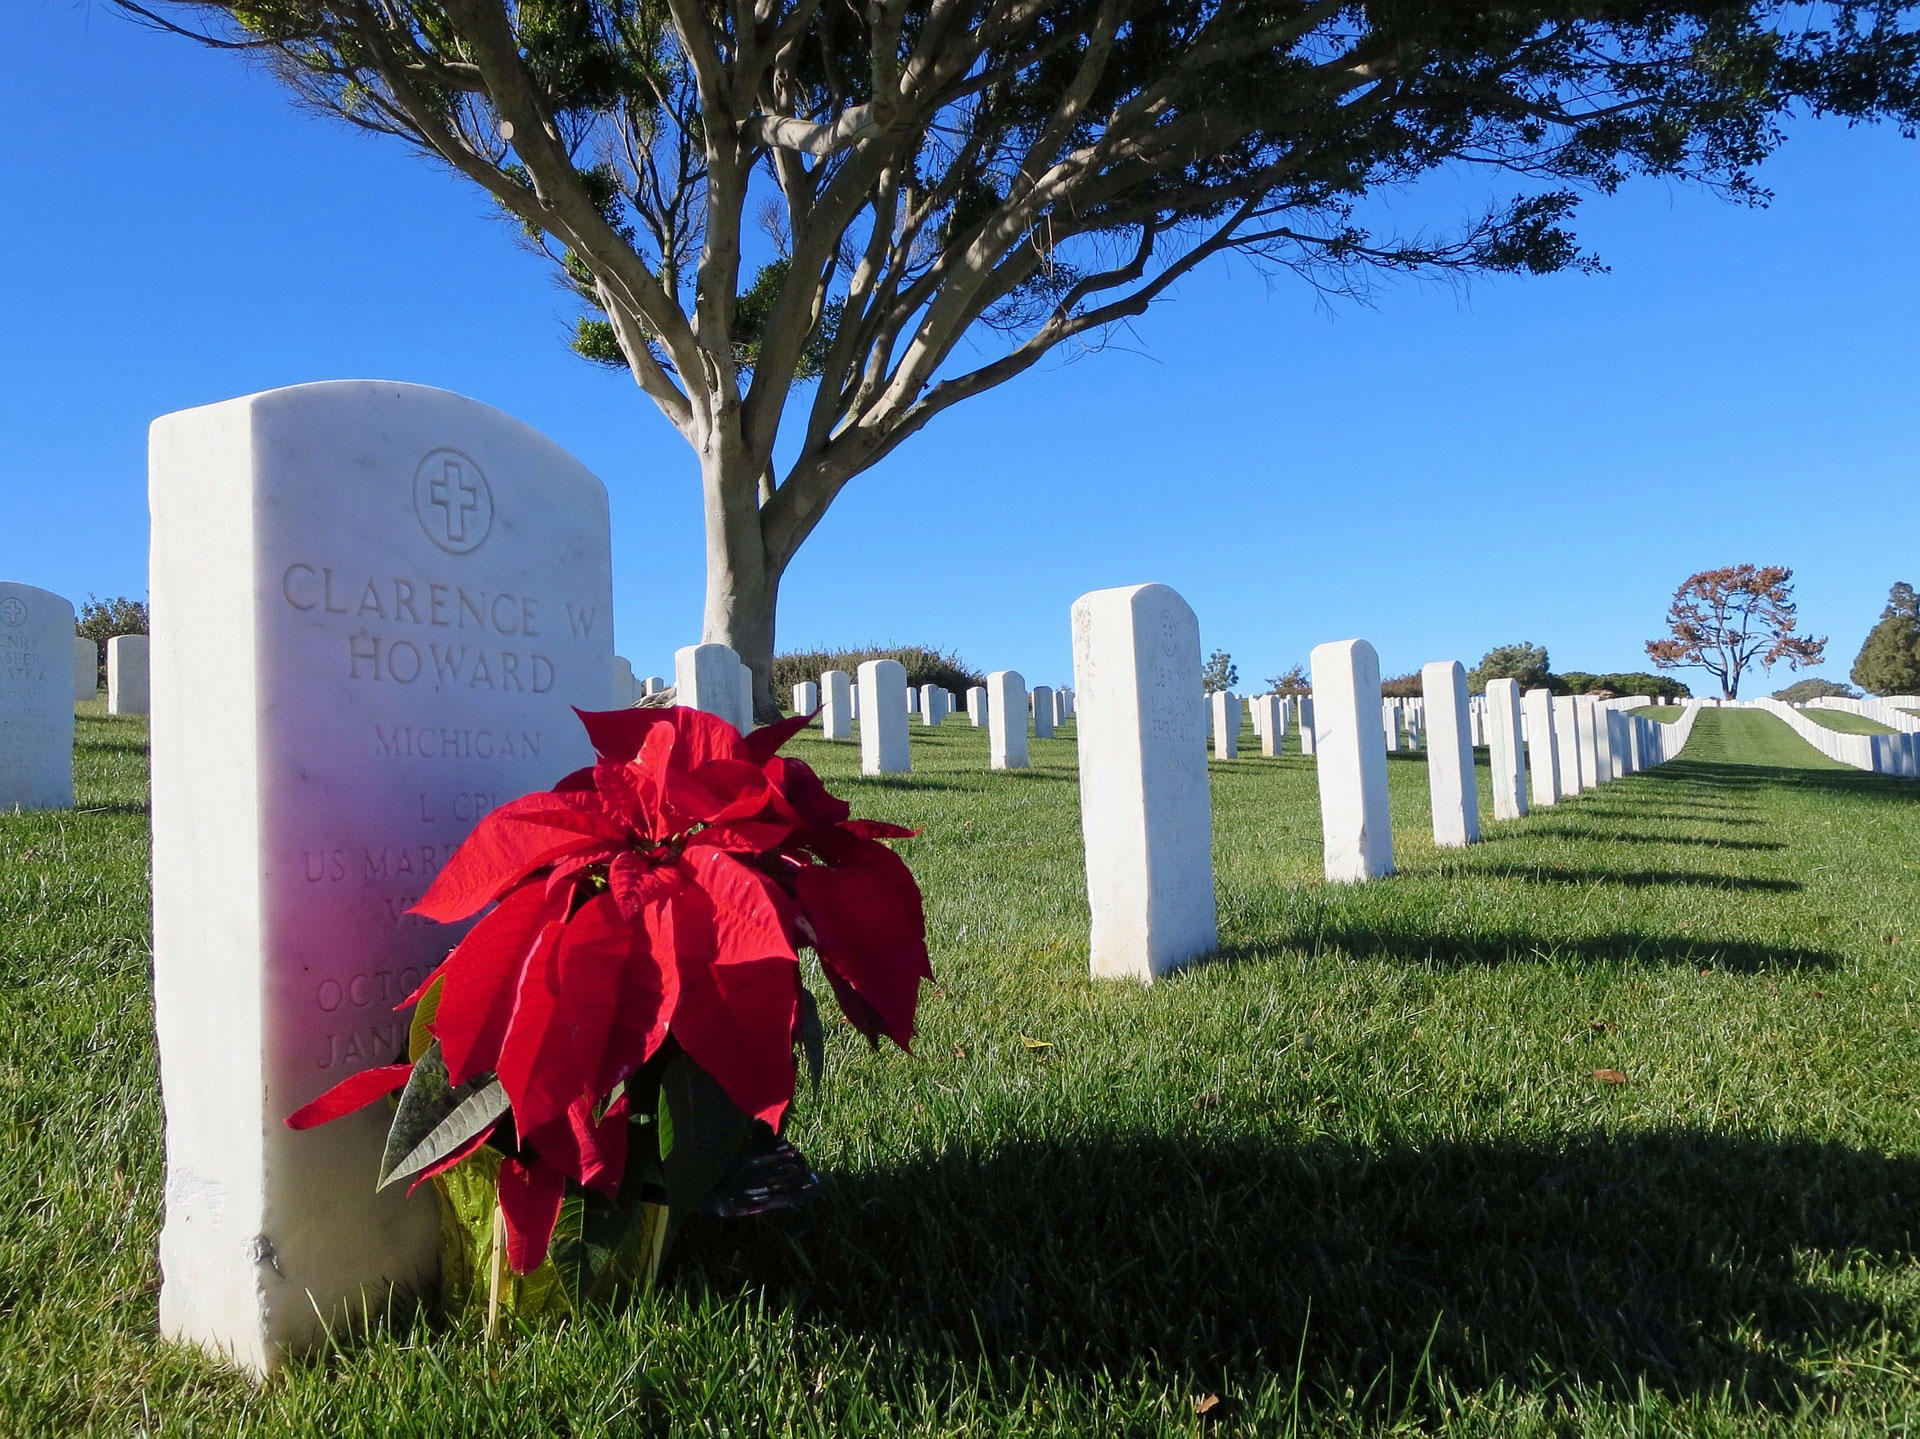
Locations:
{"points": [[1607, 1125]]}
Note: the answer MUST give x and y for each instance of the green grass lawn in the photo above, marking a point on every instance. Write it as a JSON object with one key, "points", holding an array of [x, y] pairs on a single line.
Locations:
{"points": [[1357, 1174], [1845, 721]]}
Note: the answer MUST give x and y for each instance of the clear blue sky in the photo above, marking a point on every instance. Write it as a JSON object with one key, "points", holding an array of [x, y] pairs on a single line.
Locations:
{"points": [[1440, 472]]}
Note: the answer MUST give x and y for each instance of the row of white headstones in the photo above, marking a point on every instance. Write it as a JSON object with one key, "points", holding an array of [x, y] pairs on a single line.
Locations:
{"points": [[37, 644], [373, 608]]}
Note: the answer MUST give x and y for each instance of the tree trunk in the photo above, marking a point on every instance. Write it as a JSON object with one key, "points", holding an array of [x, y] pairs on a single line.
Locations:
{"points": [[743, 583]]}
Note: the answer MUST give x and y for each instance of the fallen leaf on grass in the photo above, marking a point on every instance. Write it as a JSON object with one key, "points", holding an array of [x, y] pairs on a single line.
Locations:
{"points": [[1032, 1043], [1205, 1404], [959, 1051], [1609, 1076]]}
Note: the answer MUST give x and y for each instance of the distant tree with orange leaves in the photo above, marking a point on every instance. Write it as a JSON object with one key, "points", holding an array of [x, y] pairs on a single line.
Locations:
{"points": [[1724, 621]]}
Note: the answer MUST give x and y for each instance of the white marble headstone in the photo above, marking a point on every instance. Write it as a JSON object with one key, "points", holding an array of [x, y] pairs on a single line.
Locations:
{"points": [[836, 705], [1450, 781], [128, 684], [1006, 706], [373, 605], [1543, 749], [1042, 712], [883, 717], [1145, 814], [806, 697], [707, 678], [1351, 757], [36, 698], [86, 668], [1506, 755]]}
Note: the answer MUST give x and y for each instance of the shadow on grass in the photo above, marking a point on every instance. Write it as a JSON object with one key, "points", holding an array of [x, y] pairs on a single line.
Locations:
{"points": [[1632, 878], [1669, 1261], [1445, 951], [1605, 836]]}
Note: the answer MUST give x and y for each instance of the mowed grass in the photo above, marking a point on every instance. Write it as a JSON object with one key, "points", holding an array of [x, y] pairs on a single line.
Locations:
{"points": [[1845, 721], [1363, 1172]]}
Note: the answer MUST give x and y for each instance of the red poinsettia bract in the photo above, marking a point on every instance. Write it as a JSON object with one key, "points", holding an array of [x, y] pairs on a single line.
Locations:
{"points": [[665, 891]]}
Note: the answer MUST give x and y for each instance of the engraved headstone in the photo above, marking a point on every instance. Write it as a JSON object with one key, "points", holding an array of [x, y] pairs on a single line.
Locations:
{"points": [[1272, 724], [1506, 755], [1145, 814], [1224, 706], [396, 595], [36, 698], [1356, 837], [707, 678], [836, 705], [1042, 712], [128, 686], [1006, 706], [1543, 750], [883, 717], [1450, 781], [86, 668]]}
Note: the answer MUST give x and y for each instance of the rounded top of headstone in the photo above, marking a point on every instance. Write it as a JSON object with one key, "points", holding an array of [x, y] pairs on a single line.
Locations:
{"points": [[18, 603]]}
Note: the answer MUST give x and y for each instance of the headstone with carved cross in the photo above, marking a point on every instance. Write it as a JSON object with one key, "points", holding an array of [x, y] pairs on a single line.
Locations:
{"points": [[373, 606]]}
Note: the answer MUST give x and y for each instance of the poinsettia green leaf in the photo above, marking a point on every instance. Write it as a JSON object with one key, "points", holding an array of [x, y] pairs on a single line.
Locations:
{"points": [[419, 1037], [702, 1133], [812, 1038], [435, 1118]]}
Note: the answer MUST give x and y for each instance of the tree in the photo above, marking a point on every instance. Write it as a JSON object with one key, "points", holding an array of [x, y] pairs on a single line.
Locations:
{"points": [[1525, 662], [1889, 661], [1402, 687], [1219, 672], [1294, 680], [1724, 620], [100, 620], [1627, 682], [1800, 691], [950, 191]]}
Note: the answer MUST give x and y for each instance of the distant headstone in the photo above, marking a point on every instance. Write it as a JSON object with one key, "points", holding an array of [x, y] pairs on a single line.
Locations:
{"points": [[1543, 757], [1225, 708], [977, 706], [651, 685], [1272, 724], [1356, 833], [707, 678], [1597, 712], [37, 681], [1566, 744], [913, 701], [883, 717], [1145, 815], [836, 705], [1006, 707], [743, 695], [931, 707], [86, 668], [1617, 743], [1309, 733], [625, 688], [806, 697], [1390, 724], [1477, 721], [1450, 781], [1042, 712], [1061, 714], [128, 688], [1506, 755], [373, 605]]}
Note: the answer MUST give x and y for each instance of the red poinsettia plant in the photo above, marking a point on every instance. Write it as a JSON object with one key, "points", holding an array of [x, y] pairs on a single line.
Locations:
{"points": [[621, 1025]]}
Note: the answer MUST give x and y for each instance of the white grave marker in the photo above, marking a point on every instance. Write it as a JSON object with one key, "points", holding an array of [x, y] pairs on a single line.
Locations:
{"points": [[128, 684], [1356, 837], [1225, 707], [1543, 752], [1006, 720], [1450, 782], [836, 705], [1042, 712], [707, 678], [1506, 755], [977, 706], [883, 717], [1145, 815], [1272, 725], [36, 698], [806, 697], [373, 605]]}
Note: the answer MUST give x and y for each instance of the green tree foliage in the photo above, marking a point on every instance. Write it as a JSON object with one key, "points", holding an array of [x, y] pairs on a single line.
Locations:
{"points": [[1524, 661], [1402, 687], [1800, 691], [100, 620], [1622, 682], [924, 666], [1889, 661], [1219, 672], [806, 230]]}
